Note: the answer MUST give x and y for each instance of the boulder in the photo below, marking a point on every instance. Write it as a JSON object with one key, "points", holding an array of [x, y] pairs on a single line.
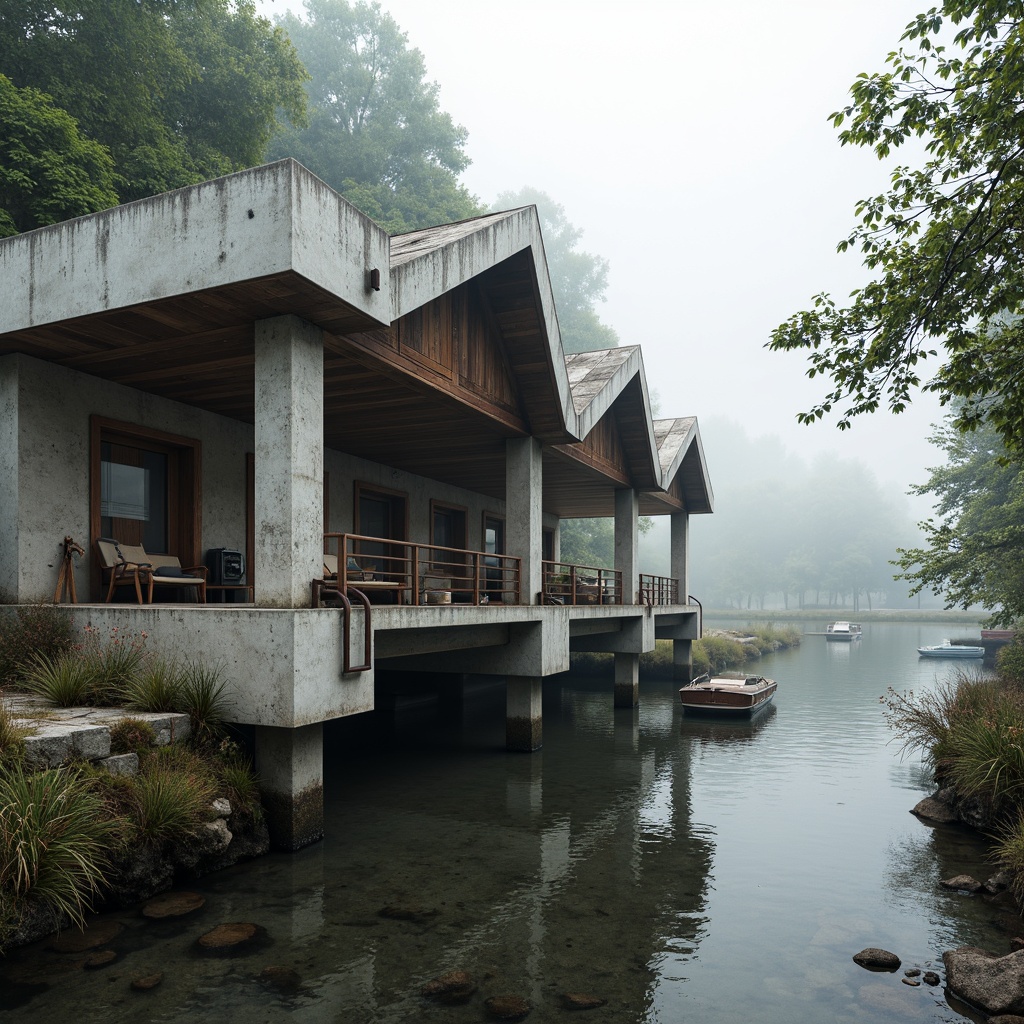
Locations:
{"points": [[962, 883], [875, 959], [935, 809], [993, 983]]}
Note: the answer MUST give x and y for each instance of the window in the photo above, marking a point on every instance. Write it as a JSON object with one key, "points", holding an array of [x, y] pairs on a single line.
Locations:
{"points": [[144, 488], [381, 513]]}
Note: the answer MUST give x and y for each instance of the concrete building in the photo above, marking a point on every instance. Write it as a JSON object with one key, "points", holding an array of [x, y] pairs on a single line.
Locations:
{"points": [[251, 364]]}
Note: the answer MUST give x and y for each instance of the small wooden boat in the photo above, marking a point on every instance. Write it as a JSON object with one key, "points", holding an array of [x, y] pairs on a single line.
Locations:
{"points": [[950, 650], [843, 632], [732, 694]]}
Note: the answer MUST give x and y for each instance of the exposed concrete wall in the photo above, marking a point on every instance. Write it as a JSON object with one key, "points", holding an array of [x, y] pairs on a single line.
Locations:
{"points": [[53, 409], [680, 554], [282, 667], [243, 226]]}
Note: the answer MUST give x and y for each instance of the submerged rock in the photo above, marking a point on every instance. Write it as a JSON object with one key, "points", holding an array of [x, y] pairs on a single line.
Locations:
{"points": [[875, 959], [226, 937], [173, 904], [993, 983], [284, 978], [451, 988], [579, 1001], [149, 981], [99, 959], [80, 940], [507, 1007]]}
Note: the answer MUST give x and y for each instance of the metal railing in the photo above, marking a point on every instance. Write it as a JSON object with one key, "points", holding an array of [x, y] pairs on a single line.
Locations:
{"points": [[404, 572], [565, 583], [658, 590]]}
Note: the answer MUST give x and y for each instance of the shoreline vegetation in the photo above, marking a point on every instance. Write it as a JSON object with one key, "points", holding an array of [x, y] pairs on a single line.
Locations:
{"points": [[715, 651], [970, 732], [75, 837]]}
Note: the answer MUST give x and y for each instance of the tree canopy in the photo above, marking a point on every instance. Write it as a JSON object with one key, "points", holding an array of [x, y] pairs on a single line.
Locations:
{"points": [[945, 242], [578, 279], [376, 130], [974, 551], [48, 171], [178, 91]]}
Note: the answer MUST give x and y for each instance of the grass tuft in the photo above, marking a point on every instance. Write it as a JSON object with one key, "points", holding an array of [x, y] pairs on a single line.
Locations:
{"points": [[53, 839], [156, 686], [65, 680], [203, 699], [131, 736]]}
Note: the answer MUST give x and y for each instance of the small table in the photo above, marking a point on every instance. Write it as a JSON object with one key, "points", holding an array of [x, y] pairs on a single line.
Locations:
{"points": [[223, 588]]}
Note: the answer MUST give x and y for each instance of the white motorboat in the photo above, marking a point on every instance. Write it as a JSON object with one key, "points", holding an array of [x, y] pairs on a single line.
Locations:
{"points": [[843, 632], [950, 650]]}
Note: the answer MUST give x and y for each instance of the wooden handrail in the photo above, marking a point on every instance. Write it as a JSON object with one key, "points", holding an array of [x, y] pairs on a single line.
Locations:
{"points": [[567, 583], [411, 571]]}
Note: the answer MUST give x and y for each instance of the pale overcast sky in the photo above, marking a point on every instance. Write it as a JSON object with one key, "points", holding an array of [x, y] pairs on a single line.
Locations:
{"points": [[691, 143]]}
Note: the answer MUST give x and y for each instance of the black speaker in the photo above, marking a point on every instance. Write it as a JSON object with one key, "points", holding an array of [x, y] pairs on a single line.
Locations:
{"points": [[226, 566]]}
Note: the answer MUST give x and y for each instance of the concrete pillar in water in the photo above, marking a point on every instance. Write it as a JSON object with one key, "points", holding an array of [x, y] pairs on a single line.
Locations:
{"points": [[682, 650], [627, 680], [289, 463], [290, 763], [523, 530], [523, 722], [627, 520]]}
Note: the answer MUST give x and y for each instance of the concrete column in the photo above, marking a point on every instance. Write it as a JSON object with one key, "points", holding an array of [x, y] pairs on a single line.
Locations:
{"points": [[627, 680], [627, 519], [289, 461], [10, 549], [523, 529], [290, 763], [682, 650], [682, 660], [680, 554], [523, 722]]}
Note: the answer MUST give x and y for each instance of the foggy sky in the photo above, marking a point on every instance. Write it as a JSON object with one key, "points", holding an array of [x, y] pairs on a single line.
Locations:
{"points": [[691, 143]]}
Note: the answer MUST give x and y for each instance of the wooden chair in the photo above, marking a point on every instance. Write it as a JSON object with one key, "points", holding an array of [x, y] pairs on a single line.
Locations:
{"points": [[130, 565]]}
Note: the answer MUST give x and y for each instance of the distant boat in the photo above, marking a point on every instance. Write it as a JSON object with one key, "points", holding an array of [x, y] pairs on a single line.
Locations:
{"points": [[843, 632], [950, 650], [732, 694]]}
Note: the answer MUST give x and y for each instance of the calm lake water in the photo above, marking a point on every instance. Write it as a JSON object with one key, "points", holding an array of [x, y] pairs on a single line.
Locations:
{"points": [[683, 870]]}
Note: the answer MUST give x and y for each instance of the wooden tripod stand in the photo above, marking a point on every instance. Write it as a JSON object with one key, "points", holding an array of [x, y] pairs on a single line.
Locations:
{"points": [[66, 576]]}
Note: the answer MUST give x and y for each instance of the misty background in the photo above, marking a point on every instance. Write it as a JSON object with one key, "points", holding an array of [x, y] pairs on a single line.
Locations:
{"points": [[690, 145]]}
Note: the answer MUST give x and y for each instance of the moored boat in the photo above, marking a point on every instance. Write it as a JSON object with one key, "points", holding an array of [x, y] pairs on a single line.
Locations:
{"points": [[843, 632], [732, 693], [951, 650]]}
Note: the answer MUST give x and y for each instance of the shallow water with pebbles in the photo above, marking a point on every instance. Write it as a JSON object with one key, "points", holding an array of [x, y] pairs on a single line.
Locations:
{"points": [[669, 869]]}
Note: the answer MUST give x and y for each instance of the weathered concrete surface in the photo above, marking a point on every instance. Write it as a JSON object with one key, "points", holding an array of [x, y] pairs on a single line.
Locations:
{"points": [[263, 221], [523, 523], [627, 680], [523, 722], [995, 984], [289, 461], [290, 766]]}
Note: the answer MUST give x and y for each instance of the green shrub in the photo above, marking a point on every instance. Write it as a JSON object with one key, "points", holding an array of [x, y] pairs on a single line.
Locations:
{"points": [[131, 736], [1010, 663], [202, 698], [721, 652], [63, 679], [53, 840], [40, 629], [238, 780]]}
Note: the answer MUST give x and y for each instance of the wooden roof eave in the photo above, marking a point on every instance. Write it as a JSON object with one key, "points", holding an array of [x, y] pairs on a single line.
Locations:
{"points": [[426, 264]]}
